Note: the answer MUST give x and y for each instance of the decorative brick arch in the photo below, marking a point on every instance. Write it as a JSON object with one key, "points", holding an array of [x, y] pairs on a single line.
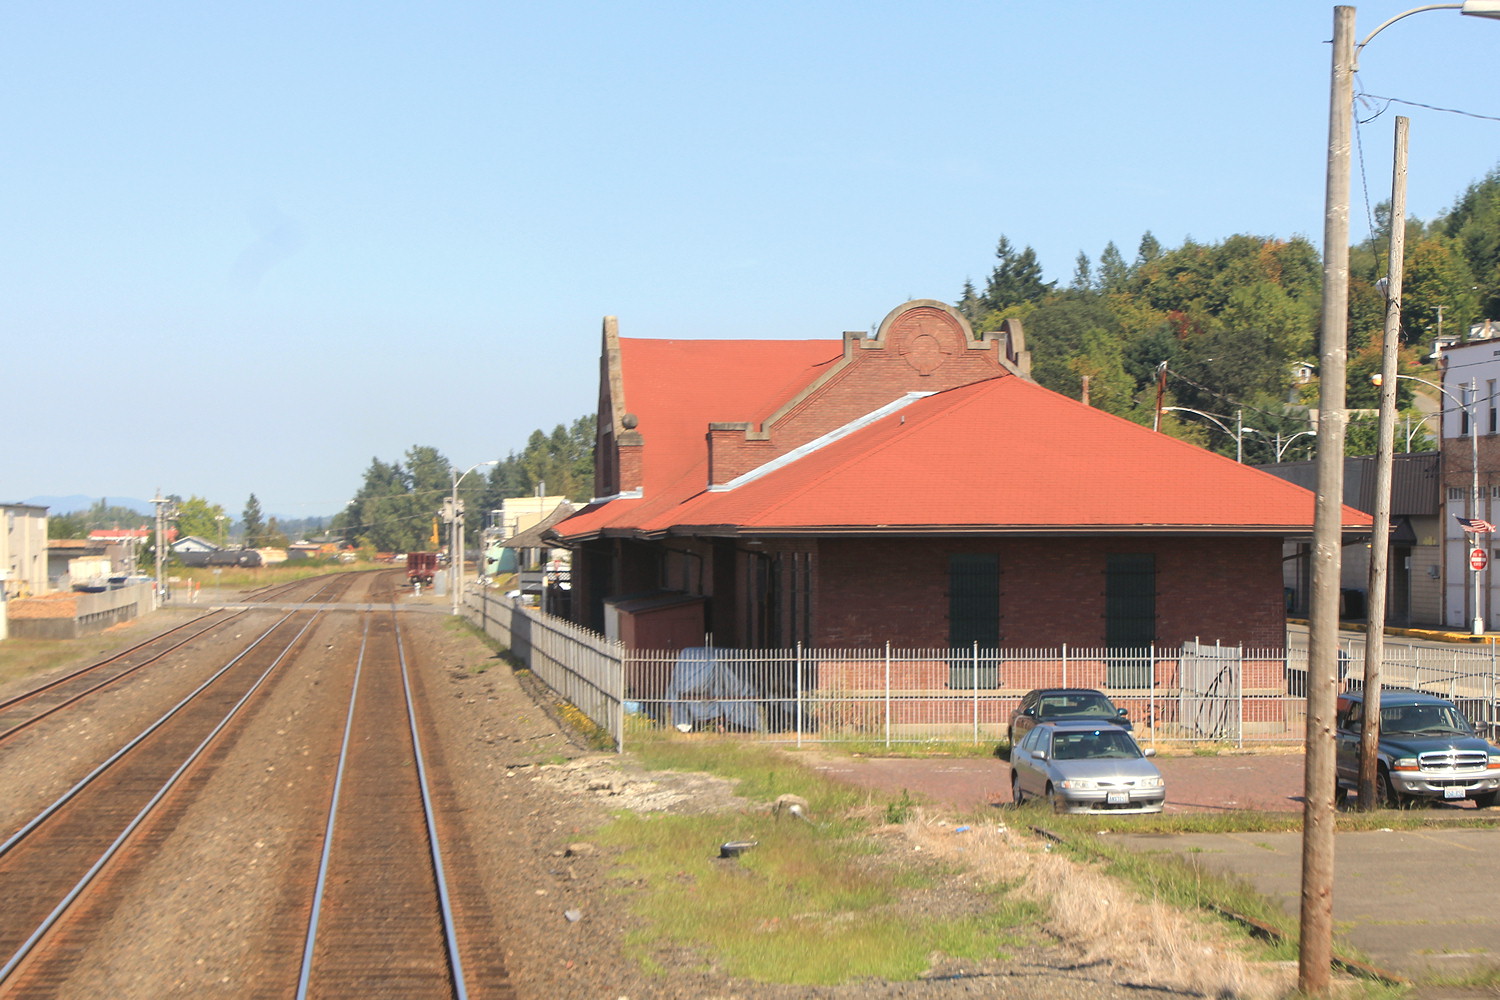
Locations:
{"points": [[925, 334]]}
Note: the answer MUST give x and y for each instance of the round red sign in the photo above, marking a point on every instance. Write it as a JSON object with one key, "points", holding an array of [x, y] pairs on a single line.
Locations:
{"points": [[1478, 560]]}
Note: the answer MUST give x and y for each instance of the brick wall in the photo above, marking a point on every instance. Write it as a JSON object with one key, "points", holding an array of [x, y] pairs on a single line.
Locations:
{"points": [[1051, 590]]}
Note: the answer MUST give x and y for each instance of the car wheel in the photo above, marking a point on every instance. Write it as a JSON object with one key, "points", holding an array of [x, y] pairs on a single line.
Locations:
{"points": [[1054, 800], [1340, 795], [1485, 800], [1389, 797], [1016, 795]]}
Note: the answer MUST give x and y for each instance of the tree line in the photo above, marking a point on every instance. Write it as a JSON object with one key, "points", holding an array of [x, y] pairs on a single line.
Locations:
{"points": [[1230, 328], [396, 508]]}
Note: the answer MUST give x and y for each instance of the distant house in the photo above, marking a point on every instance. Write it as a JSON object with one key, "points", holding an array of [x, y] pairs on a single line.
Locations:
{"points": [[913, 487], [23, 549], [1414, 589], [192, 544]]}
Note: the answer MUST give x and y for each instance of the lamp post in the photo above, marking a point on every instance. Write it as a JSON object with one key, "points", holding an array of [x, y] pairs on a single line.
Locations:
{"points": [[1314, 968], [1238, 432], [456, 533], [1412, 430], [1280, 444]]}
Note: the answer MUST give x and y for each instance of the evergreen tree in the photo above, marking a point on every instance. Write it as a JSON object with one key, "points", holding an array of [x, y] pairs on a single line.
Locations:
{"points": [[1016, 279], [252, 524], [969, 304], [1149, 250], [1114, 275], [1083, 273]]}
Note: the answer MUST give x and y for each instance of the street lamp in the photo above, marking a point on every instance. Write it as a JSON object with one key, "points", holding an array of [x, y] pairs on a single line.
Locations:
{"points": [[1238, 432], [1412, 430], [1470, 412], [456, 533], [1315, 963], [1277, 442]]}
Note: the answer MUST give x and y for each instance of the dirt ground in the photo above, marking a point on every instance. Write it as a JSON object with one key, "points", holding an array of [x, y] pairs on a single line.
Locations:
{"points": [[527, 793]]}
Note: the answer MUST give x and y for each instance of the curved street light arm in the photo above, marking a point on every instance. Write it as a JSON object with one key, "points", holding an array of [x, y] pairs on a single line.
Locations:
{"points": [[1184, 409]]}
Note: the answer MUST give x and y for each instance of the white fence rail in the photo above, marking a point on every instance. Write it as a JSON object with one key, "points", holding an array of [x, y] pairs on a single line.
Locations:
{"points": [[583, 667], [1191, 694]]}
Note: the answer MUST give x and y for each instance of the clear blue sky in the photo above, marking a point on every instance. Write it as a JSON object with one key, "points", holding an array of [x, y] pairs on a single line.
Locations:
{"points": [[248, 247]]}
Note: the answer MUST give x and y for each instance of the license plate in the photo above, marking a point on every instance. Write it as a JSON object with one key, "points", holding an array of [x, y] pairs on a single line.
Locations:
{"points": [[1117, 798], [1453, 792]]}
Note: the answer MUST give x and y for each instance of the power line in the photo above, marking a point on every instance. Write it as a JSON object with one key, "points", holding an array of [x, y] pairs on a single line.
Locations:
{"points": [[1418, 104]]}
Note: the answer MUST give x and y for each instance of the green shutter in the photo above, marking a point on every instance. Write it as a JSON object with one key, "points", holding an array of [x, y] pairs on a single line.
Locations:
{"points": [[973, 617], [1129, 617]]}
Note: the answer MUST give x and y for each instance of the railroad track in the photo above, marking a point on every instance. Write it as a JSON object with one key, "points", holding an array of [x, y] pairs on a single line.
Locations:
{"points": [[376, 908], [383, 920], [25, 709]]}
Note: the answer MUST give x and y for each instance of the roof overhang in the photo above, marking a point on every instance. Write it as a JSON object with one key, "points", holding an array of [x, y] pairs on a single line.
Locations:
{"points": [[967, 531]]}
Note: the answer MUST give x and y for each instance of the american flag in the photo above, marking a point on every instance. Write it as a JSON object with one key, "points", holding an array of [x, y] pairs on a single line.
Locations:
{"points": [[1476, 525]]}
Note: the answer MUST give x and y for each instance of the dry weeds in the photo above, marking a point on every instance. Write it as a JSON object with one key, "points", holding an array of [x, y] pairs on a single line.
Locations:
{"points": [[1149, 940]]}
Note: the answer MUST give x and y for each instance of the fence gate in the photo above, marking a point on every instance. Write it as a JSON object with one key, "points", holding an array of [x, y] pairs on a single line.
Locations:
{"points": [[1208, 702]]}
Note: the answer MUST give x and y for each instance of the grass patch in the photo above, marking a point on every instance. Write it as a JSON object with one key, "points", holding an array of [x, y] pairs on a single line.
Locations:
{"points": [[1249, 821], [255, 577], [806, 905], [1485, 977], [20, 658], [1182, 883]]}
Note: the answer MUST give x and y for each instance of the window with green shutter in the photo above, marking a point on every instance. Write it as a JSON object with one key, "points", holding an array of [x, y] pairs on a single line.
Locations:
{"points": [[973, 617], [1129, 618]]}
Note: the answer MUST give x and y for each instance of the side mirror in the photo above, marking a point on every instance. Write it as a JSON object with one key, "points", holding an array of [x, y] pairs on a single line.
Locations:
{"points": [[1031, 712], [1039, 754], [1122, 713], [1149, 751]]}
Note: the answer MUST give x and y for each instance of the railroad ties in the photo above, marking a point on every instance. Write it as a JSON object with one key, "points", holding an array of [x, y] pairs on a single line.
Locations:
{"points": [[369, 911]]}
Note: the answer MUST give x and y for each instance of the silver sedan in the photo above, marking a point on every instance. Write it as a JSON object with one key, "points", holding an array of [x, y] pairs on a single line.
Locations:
{"points": [[1083, 767]]}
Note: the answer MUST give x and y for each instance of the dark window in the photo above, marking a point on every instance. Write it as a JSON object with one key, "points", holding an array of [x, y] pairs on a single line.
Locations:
{"points": [[973, 618], [1129, 618], [761, 595]]}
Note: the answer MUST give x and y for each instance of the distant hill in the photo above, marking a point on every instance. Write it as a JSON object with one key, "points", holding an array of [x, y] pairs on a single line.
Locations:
{"points": [[78, 502]]}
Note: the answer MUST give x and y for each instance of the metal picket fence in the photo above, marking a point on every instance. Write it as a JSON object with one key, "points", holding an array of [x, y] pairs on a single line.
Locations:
{"points": [[1193, 694], [582, 667]]}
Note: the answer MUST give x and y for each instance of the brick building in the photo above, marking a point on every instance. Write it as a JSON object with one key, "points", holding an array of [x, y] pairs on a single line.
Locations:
{"points": [[914, 487]]}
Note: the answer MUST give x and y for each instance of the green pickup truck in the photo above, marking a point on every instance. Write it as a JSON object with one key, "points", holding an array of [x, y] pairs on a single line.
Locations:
{"points": [[1427, 750]]}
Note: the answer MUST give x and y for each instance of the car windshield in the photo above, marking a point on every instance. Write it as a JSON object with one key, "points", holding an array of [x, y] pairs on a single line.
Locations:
{"points": [[1073, 706], [1436, 719], [1102, 743]]}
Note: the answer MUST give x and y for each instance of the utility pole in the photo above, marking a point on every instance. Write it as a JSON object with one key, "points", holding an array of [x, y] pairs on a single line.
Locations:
{"points": [[1380, 530], [1315, 955], [165, 511], [1161, 391]]}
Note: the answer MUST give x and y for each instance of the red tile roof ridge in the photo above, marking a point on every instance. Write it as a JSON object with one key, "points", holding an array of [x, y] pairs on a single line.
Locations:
{"points": [[819, 443]]}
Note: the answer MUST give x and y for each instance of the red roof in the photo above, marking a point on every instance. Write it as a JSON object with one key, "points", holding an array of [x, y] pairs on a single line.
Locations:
{"points": [[1002, 455], [122, 534], [675, 388], [1006, 454]]}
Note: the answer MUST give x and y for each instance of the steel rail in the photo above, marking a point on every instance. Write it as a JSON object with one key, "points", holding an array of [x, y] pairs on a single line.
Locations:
{"points": [[305, 976], [82, 671], [107, 681], [450, 932], [16, 699], [146, 810], [83, 783]]}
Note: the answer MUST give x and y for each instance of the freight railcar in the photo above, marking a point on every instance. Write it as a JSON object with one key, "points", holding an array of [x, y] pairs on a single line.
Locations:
{"points": [[421, 567]]}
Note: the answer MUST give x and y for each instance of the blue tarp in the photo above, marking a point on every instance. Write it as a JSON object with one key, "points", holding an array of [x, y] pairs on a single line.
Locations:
{"points": [[705, 690]]}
